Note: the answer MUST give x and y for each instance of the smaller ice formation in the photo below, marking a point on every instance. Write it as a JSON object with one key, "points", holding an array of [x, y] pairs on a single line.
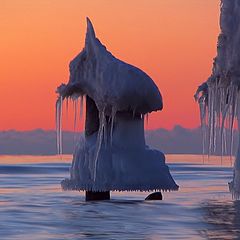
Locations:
{"points": [[112, 155], [219, 97]]}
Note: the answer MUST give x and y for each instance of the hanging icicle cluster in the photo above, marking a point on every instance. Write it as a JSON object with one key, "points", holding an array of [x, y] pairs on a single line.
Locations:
{"points": [[220, 94], [78, 105], [218, 111]]}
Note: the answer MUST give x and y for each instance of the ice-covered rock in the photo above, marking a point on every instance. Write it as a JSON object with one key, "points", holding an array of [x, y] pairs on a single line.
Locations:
{"points": [[112, 155], [219, 97]]}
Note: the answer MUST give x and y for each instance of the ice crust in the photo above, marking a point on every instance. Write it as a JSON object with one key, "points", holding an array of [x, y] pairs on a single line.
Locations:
{"points": [[218, 97], [111, 82], [126, 165], [118, 97]]}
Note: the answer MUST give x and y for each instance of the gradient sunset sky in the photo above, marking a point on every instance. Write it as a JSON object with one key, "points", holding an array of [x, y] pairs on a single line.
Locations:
{"points": [[173, 41]]}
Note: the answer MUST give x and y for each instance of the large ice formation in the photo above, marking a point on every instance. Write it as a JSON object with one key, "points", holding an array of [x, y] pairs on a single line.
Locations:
{"points": [[112, 155], [219, 96]]}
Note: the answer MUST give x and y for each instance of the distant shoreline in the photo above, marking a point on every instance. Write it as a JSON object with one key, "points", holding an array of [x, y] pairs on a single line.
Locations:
{"points": [[40, 142]]}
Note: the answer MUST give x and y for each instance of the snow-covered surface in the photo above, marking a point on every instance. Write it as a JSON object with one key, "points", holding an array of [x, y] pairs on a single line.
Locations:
{"points": [[118, 95], [112, 83], [219, 97]]}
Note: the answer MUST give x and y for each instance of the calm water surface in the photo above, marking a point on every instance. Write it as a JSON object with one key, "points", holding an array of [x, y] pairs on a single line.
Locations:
{"points": [[33, 206]]}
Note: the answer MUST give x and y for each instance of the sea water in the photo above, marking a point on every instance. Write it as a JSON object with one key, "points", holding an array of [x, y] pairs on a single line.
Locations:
{"points": [[33, 206]]}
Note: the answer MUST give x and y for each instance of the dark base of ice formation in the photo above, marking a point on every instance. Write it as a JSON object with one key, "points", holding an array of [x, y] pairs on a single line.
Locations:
{"points": [[97, 196], [154, 196], [101, 196]]}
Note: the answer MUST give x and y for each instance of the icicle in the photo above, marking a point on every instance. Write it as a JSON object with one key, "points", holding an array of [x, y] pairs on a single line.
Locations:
{"points": [[223, 131], [78, 109], [225, 141], [75, 109], [113, 114], [99, 140], [211, 118], [66, 108], [59, 124], [233, 115], [81, 106], [105, 131], [202, 108]]}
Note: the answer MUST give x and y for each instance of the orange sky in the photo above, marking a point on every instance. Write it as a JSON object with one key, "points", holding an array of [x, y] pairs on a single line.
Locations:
{"points": [[174, 41]]}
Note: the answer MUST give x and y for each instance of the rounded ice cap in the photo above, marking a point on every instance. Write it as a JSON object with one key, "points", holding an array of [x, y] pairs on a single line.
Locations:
{"points": [[110, 82]]}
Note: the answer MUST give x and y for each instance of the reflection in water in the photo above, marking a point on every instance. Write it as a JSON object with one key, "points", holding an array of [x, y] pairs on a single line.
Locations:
{"points": [[223, 218], [106, 220], [120, 219]]}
